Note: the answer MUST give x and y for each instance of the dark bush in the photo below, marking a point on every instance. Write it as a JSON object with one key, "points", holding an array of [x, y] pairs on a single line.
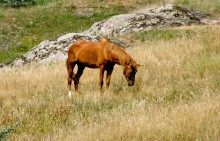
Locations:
{"points": [[17, 3], [23, 3]]}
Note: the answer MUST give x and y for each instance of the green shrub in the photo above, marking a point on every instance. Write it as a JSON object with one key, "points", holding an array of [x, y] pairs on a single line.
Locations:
{"points": [[6, 131], [23, 3], [17, 3]]}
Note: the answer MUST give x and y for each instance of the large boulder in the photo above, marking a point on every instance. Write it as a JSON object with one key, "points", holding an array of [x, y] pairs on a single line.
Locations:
{"points": [[49, 51], [165, 16]]}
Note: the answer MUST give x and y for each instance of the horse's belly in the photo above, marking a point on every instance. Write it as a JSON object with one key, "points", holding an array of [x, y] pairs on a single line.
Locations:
{"points": [[92, 66], [89, 62]]}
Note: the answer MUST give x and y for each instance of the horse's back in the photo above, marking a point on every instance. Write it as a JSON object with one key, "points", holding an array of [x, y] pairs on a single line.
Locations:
{"points": [[80, 42], [76, 45]]}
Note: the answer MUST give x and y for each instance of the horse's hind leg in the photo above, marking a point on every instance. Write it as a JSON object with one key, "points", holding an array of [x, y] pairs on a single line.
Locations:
{"points": [[78, 75], [70, 67]]}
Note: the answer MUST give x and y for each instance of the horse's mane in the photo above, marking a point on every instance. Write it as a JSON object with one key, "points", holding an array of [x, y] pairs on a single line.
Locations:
{"points": [[124, 58]]}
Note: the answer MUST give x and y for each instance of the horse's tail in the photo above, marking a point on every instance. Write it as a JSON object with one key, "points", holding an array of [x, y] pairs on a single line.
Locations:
{"points": [[71, 57], [66, 62]]}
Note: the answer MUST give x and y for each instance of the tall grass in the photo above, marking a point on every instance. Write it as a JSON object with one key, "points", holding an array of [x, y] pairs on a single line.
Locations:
{"points": [[176, 95]]}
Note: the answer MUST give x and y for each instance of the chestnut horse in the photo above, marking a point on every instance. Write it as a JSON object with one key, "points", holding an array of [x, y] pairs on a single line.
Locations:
{"points": [[102, 54]]}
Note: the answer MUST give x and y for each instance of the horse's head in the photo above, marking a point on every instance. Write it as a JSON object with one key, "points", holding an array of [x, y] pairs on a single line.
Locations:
{"points": [[130, 72]]}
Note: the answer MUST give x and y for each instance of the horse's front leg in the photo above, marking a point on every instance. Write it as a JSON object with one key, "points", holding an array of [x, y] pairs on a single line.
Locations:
{"points": [[78, 75], [108, 77], [102, 69]]}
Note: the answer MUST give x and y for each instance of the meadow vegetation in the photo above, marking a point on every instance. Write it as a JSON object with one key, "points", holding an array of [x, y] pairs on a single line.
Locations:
{"points": [[176, 95]]}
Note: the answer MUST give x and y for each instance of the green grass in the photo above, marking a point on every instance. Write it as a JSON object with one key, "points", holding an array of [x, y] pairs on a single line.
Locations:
{"points": [[210, 6], [163, 34], [27, 27]]}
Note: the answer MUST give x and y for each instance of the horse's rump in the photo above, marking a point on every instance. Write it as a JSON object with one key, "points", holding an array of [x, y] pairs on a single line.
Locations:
{"points": [[85, 52]]}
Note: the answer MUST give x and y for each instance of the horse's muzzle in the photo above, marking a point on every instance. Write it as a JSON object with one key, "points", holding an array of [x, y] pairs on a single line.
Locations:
{"points": [[130, 83]]}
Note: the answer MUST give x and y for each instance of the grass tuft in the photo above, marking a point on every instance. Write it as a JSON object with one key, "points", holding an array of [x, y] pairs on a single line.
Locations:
{"points": [[6, 131]]}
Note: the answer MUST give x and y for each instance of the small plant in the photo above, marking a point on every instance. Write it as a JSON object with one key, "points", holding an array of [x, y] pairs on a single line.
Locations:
{"points": [[6, 131]]}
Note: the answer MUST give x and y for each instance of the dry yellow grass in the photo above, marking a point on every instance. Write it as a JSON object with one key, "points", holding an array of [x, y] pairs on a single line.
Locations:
{"points": [[176, 96]]}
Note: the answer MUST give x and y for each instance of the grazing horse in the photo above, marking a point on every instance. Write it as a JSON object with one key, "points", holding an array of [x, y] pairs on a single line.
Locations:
{"points": [[102, 54]]}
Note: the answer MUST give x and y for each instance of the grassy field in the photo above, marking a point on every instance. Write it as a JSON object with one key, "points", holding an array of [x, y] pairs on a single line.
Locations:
{"points": [[176, 95]]}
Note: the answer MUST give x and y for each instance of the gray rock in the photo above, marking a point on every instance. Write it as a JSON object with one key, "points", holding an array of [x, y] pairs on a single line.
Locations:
{"points": [[50, 51], [165, 16]]}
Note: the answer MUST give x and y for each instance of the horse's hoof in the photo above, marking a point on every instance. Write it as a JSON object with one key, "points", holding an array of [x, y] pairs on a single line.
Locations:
{"points": [[69, 94], [106, 93]]}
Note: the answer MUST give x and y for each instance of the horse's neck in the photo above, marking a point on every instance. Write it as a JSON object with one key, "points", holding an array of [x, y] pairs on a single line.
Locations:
{"points": [[120, 58], [115, 59]]}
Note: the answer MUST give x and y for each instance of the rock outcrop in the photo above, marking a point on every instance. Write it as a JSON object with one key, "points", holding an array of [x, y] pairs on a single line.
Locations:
{"points": [[48, 51], [165, 16]]}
